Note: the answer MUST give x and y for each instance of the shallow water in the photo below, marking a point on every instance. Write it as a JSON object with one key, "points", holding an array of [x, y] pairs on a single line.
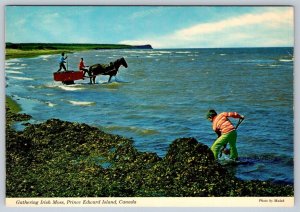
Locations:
{"points": [[164, 95]]}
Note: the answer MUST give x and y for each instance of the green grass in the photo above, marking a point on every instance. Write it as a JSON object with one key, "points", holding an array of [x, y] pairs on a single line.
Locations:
{"points": [[13, 105], [17, 53], [23, 50]]}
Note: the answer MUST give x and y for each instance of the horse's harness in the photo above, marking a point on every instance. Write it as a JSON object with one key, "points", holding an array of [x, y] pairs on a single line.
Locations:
{"points": [[111, 64]]}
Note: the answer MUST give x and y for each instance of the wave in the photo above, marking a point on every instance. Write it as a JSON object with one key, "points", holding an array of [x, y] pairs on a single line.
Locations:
{"points": [[9, 63], [70, 87], [16, 68], [22, 78], [14, 60], [50, 104], [114, 84], [136, 130], [59, 85], [183, 52], [45, 57], [155, 54], [13, 72], [78, 103], [267, 65], [286, 60], [164, 52]]}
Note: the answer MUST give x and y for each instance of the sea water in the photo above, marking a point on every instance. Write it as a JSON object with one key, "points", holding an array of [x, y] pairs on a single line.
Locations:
{"points": [[164, 94]]}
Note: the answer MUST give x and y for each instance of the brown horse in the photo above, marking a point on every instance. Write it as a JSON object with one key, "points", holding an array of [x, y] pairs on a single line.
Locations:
{"points": [[103, 69]]}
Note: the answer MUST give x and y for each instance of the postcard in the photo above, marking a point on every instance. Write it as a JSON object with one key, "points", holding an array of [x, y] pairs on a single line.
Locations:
{"points": [[149, 106]]}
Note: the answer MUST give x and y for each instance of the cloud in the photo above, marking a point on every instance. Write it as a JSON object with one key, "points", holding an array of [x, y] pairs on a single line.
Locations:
{"points": [[268, 19], [271, 27]]}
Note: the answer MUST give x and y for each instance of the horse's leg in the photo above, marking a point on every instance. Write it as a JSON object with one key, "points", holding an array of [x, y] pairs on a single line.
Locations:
{"points": [[110, 76], [90, 74], [94, 79]]}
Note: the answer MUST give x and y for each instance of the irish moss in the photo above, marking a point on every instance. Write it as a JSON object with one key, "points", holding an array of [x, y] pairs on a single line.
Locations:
{"points": [[64, 159]]}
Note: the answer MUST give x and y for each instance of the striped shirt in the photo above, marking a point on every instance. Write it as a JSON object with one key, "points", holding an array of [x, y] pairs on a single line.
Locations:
{"points": [[222, 124]]}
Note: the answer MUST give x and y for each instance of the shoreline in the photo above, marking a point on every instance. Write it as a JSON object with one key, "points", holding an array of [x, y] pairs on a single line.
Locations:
{"points": [[27, 50], [89, 162], [12, 104]]}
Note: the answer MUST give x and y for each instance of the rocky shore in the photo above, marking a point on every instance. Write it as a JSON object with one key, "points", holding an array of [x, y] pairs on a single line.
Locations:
{"points": [[64, 159]]}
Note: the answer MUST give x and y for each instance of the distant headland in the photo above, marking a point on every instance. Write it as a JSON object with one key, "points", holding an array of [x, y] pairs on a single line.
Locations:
{"points": [[17, 50]]}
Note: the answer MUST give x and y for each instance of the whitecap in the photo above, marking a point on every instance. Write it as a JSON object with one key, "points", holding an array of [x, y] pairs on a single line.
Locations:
{"points": [[9, 63], [21, 78], [183, 52], [155, 54], [70, 88], [137, 130], [50, 104], [164, 52], [81, 103], [13, 72], [16, 68], [14, 60], [45, 56], [286, 60]]}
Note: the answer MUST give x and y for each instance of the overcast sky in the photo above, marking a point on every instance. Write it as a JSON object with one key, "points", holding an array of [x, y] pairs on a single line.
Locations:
{"points": [[160, 26]]}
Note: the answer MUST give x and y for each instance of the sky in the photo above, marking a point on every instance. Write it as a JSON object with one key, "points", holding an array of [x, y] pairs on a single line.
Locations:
{"points": [[159, 26]]}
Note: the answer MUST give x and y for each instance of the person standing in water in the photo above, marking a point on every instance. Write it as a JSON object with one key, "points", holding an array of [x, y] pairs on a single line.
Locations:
{"points": [[225, 130], [62, 62]]}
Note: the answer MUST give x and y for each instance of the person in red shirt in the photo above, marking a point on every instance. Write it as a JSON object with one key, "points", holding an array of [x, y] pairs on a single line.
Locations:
{"points": [[82, 67], [225, 130]]}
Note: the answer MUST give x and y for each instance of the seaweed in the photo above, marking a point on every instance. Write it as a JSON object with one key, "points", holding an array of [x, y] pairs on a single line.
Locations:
{"points": [[67, 159]]}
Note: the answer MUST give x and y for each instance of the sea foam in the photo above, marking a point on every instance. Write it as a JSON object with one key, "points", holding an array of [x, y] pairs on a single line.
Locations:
{"points": [[22, 78], [81, 103]]}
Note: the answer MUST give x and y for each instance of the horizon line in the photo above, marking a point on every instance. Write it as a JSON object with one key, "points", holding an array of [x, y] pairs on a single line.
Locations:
{"points": [[232, 47]]}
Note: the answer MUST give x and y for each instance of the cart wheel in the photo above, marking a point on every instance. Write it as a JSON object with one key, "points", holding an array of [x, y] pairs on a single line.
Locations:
{"points": [[70, 82]]}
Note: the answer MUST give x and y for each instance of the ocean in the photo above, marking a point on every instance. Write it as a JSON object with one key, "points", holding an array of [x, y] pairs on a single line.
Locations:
{"points": [[164, 94]]}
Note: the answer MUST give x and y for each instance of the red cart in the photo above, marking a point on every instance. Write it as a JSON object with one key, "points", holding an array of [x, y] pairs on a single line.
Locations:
{"points": [[68, 77]]}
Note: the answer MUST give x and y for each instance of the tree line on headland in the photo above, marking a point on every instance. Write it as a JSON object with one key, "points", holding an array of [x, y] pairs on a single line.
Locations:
{"points": [[17, 50]]}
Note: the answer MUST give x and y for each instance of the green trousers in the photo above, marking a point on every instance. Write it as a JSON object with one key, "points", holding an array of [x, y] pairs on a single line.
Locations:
{"points": [[223, 140]]}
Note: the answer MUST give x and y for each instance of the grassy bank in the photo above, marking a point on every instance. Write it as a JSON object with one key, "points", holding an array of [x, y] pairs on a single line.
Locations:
{"points": [[12, 105], [17, 53], [21, 50]]}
